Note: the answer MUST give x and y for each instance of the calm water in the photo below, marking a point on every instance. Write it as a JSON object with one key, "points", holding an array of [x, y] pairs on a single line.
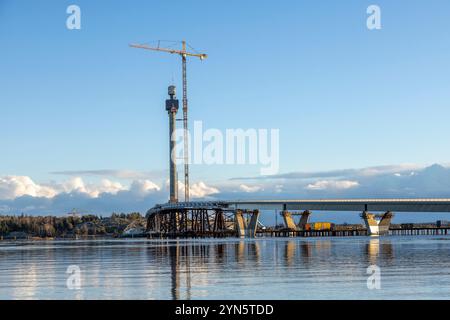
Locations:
{"points": [[324, 268]]}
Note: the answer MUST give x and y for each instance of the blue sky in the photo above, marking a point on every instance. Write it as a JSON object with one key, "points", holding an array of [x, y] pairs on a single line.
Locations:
{"points": [[342, 96]]}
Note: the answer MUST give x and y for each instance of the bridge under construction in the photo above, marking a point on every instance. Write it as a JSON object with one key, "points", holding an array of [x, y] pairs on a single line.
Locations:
{"points": [[241, 218]]}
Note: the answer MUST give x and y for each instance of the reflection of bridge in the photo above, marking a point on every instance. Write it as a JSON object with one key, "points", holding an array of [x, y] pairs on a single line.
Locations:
{"points": [[190, 262], [225, 217]]}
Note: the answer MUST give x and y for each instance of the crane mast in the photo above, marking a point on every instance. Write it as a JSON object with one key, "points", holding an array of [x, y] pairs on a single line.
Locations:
{"points": [[185, 128], [184, 54]]}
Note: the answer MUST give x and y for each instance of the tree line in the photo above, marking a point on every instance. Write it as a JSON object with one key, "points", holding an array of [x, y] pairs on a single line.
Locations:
{"points": [[53, 226]]}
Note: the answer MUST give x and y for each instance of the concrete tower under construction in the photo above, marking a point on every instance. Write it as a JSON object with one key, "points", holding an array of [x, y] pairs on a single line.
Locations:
{"points": [[172, 109]]}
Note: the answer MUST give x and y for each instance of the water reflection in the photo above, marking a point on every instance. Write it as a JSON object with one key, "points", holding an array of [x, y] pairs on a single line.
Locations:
{"points": [[245, 252], [289, 252], [25, 282], [376, 249], [291, 268], [175, 274], [185, 256], [307, 251], [372, 250], [239, 251]]}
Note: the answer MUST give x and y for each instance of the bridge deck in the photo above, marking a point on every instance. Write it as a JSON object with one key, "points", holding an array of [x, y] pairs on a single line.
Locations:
{"points": [[396, 205]]}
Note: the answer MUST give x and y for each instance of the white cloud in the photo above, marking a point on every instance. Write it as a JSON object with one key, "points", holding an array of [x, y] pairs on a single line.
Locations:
{"points": [[77, 184], [332, 184], [109, 186], [143, 187], [197, 190], [12, 187], [249, 189], [200, 190]]}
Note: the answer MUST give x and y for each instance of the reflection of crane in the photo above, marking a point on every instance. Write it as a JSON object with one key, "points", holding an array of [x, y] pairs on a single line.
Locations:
{"points": [[183, 53]]}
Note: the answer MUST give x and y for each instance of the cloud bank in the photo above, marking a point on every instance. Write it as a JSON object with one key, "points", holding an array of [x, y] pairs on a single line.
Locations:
{"points": [[20, 194], [384, 181]]}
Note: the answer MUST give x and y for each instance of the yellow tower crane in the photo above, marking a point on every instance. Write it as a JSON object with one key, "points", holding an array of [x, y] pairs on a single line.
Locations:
{"points": [[184, 54]]}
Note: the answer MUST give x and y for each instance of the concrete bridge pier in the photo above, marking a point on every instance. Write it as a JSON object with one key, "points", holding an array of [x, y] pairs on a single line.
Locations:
{"points": [[385, 222], [246, 227], [289, 219], [377, 224], [253, 224], [304, 219], [239, 223]]}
